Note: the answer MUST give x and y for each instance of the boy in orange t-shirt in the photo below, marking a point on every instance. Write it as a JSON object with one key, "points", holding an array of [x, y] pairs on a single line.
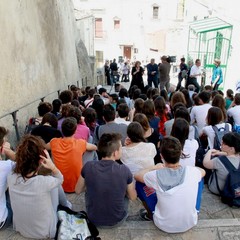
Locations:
{"points": [[67, 153]]}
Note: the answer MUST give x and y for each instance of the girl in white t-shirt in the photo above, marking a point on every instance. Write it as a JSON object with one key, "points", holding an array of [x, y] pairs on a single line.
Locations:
{"points": [[180, 130], [137, 154], [214, 118]]}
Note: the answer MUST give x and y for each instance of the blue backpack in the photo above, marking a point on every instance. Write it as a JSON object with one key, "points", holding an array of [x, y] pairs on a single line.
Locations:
{"points": [[231, 192], [219, 133]]}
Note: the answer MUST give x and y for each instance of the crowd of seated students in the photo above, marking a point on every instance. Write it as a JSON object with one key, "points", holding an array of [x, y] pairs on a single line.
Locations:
{"points": [[146, 146]]}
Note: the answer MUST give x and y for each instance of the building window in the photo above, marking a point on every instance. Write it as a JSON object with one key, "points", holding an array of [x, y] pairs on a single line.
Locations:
{"points": [[99, 59], [98, 28], [155, 12], [116, 24], [180, 10]]}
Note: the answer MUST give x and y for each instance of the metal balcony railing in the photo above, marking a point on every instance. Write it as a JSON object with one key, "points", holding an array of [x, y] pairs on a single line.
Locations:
{"points": [[14, 112]]}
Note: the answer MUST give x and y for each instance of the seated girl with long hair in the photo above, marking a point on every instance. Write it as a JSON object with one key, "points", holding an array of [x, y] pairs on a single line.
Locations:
{"points": [[151, 135], [137, 154], [180, 130], [34, 198], [214, 118]]}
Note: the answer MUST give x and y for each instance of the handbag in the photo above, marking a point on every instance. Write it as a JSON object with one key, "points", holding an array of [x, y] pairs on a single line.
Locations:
{"points": [[74, 225]]}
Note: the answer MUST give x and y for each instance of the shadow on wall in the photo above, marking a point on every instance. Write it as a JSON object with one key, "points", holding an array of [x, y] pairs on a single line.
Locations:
{"points": [[86, 65]]}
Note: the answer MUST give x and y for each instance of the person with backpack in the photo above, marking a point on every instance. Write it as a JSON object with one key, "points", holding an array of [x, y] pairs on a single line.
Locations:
{"points": [[216, 128], [215, 160]]}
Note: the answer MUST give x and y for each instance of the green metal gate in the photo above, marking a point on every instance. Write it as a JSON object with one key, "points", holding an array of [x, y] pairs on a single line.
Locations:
{"points": [[209, 39]]}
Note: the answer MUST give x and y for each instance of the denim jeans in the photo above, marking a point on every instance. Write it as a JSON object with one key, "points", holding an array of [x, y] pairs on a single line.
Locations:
{"points": [[154, 81]]}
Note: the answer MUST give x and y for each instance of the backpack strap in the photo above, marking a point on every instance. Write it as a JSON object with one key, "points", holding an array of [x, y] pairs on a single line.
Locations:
{"points": [[228, 165], [216, 178], [196, 135], [215, 129]]}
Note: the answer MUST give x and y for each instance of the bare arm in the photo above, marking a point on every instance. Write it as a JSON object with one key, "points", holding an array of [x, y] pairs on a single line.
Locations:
{"points": [[80, 186], [139, 175], [91, 147], [131, 192], [207, 162], [47, 162], [47, 146], [6, 149]]}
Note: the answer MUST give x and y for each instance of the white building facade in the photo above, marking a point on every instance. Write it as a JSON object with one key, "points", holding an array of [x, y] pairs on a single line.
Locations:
{"points": [[145, 29], [136, 29]]}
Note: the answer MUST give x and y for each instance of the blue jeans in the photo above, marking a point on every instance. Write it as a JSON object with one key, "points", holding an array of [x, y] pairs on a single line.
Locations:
{"points": [[154, 81]]}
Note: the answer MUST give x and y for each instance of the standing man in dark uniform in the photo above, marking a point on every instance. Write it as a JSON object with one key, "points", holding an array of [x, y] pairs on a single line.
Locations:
{"points": [[107, 72], [114, 71], [183, 73], [152, 69]]}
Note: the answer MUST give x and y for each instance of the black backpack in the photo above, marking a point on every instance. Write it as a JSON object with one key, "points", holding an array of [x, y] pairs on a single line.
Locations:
{"points": [[219, 133], [231, 192]]}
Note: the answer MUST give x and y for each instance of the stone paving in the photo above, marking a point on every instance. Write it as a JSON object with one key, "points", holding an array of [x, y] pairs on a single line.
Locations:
{"points": [[217, 221]]}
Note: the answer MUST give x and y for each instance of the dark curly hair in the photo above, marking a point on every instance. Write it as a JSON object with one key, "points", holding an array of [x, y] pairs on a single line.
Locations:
{"points": [[43, 108], [66, 96], [28, 155]]}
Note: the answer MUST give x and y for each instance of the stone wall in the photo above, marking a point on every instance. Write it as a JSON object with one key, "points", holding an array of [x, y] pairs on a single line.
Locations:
{"points": [[38, 55]]}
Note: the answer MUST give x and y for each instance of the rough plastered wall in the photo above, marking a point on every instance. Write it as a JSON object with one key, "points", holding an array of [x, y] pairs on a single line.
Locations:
{"points": [[38, 55]]}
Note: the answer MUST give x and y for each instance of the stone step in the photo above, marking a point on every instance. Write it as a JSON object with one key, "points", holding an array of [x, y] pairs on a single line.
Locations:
{"points": [[214, 229]]}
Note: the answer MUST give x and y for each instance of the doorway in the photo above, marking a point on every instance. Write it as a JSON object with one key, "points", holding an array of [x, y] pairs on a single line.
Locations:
{"points": [[127, 52]]}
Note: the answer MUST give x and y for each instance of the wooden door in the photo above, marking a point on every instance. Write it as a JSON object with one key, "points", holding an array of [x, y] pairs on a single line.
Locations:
{"points": [[127, 52]]}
